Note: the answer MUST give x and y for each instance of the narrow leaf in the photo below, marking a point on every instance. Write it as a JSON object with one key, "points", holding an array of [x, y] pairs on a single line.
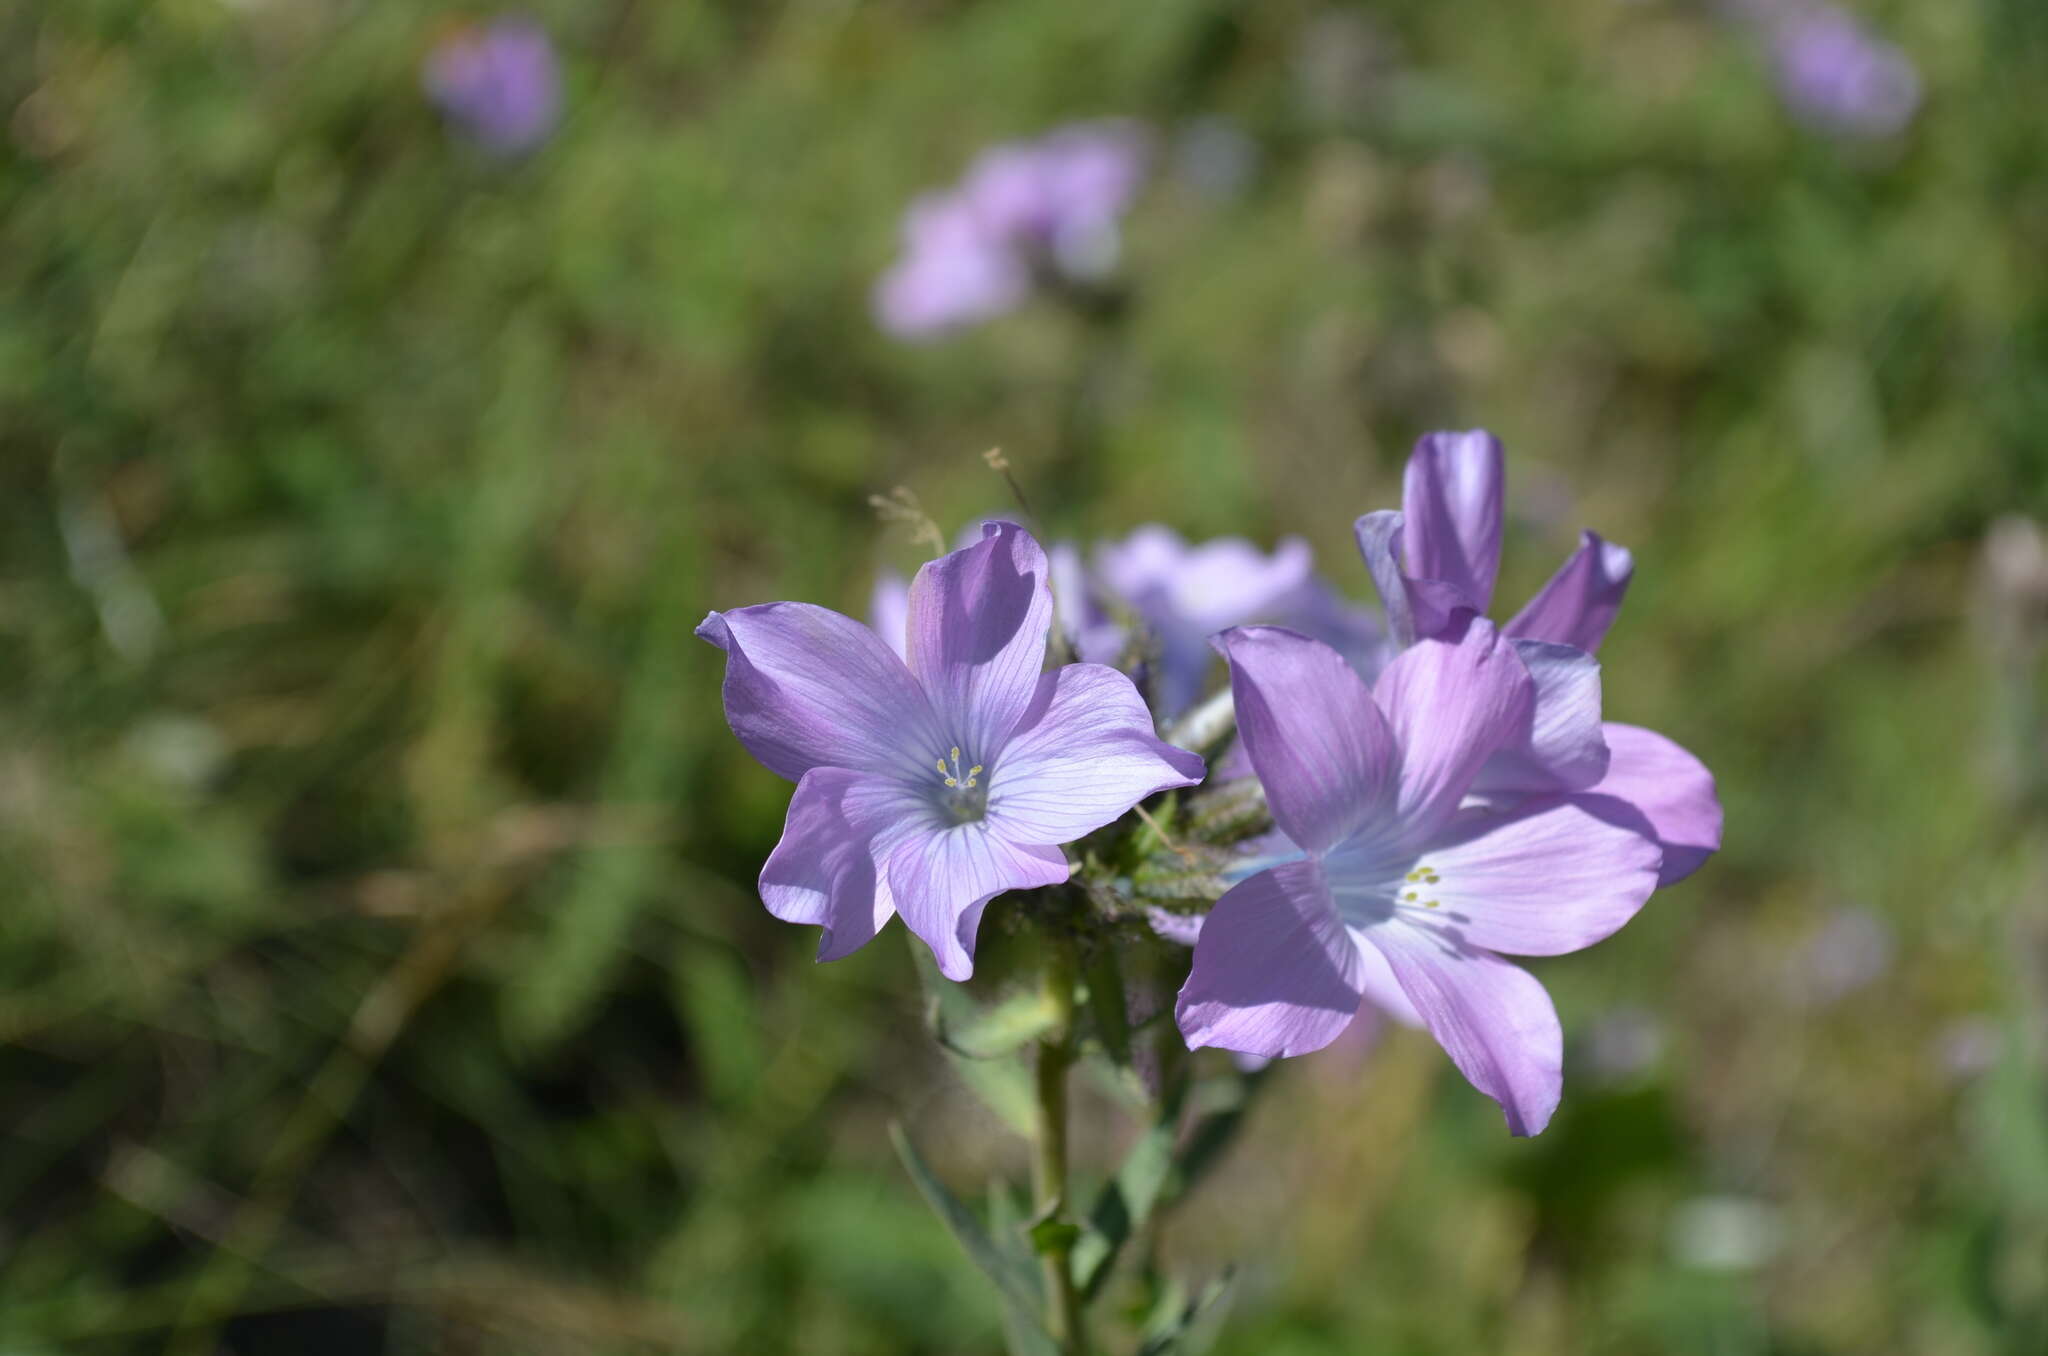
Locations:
{"points": [[1125, 1203], [998, 1030], [1015, 1279], [1169, 1330], [1004, 1086], [1022, 1333]]}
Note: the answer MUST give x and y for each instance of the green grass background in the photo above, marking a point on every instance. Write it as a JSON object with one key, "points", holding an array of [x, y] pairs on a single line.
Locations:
{"points": [[379, 963]]}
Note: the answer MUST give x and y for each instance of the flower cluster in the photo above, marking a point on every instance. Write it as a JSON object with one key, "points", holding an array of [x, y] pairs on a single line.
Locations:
{"points": [[1443, 791], [1025, 215]]}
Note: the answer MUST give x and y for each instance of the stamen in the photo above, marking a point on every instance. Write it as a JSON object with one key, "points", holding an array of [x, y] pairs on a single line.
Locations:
{"points": [[955, 778]]}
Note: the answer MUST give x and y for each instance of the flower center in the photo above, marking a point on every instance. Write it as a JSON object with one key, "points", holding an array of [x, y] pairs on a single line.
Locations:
{"points": [[964, 796], [1369, 889], [1422, 878]]}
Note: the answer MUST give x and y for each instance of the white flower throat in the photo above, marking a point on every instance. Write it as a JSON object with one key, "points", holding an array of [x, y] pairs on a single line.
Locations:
{"points": [[964, 796]]}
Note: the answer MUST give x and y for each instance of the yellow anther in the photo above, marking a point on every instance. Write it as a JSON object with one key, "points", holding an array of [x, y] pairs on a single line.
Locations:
{"points": [[956, 753], [1431, 903], [1414, 876], [974, 771], [1409, 895], [940, 765], [953, 781]]}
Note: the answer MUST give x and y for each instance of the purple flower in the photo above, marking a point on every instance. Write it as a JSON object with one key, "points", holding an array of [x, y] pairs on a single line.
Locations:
{"points": [[1094, 636], [1023, 211], [1185, 594], [1836, 75], [499, 83], [953, 272], [926, 786], [1438, 557], [1402, 892]]}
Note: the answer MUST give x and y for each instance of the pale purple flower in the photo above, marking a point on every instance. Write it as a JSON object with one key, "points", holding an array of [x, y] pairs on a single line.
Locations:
{"points": [[1838, 76], [1023, 212], [926, 786], [952, 272], [499, 83], [1187, 593], [1402, 893], [1436, 560]]}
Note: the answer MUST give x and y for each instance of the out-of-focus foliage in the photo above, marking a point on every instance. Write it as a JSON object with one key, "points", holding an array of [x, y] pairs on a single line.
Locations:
{"points": [[379, 963]]}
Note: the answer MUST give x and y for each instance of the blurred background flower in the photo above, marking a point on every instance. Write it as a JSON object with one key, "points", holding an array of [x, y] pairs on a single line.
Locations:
{"points": [[1833, 72], [498, 82], [1025, 213]]}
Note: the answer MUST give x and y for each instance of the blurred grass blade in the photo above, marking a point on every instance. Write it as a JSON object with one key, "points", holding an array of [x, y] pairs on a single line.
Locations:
{"points": [[1171, 1326], [1015, 1277]]}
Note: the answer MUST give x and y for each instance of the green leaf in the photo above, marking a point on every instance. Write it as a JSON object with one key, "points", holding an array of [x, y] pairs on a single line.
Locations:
{"points": [[1005, 1087], [972, 1030], [1014, 1277], [1022, 1335], [1220, 1106], [1050, 1236], [1170, 1327], [1125, 1203], [998, 1030]]}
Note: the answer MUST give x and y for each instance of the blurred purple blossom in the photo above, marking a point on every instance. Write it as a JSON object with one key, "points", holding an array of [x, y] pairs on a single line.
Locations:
{"points": [[499, 83], [1187, 592], [1833, 72], [1023, 212]]}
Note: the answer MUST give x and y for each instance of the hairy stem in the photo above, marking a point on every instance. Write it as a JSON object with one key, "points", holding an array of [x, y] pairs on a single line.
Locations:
{"points": [[1055, 1057]]}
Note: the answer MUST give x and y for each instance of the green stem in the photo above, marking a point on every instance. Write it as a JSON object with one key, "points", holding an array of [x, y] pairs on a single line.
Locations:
{"points": [[1055, 1056]]}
